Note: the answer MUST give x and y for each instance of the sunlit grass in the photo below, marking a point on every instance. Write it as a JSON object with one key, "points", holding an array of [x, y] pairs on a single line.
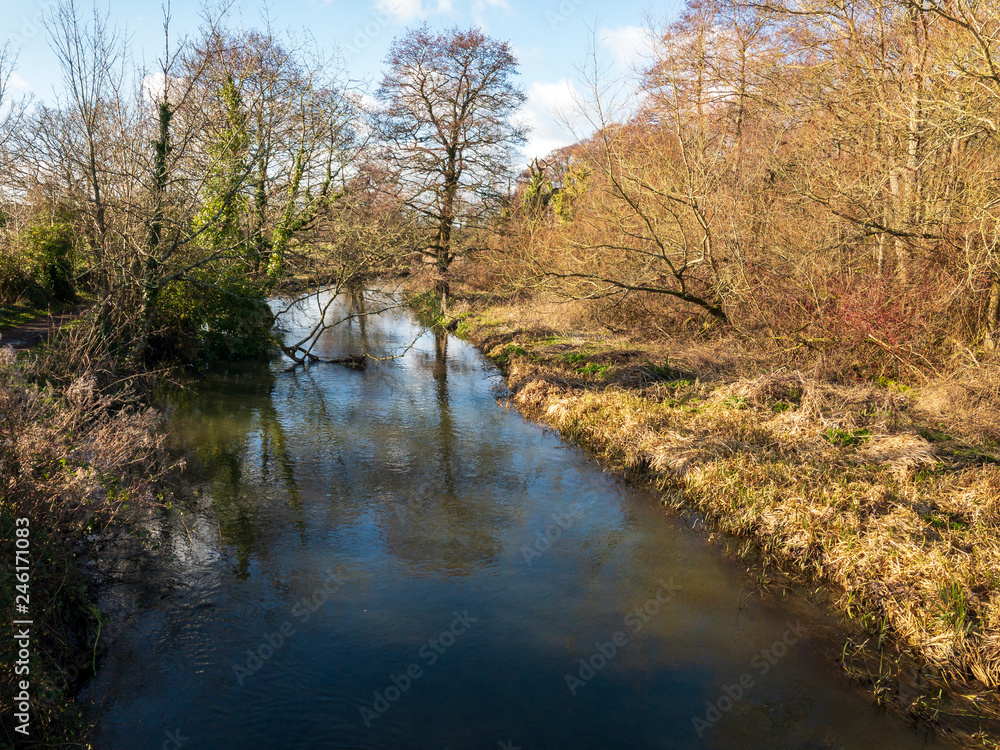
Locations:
{"points": [[888, 495]]}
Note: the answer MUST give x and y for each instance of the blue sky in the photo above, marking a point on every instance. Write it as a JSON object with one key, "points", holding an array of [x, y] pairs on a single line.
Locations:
{"points": [[551, 38]]}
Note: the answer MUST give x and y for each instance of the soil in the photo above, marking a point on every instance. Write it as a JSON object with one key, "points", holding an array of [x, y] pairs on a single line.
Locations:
{"points": [[36, 331]]}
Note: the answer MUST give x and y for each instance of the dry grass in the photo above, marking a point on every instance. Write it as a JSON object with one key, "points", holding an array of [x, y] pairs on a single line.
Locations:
{"points": [[79, 465], [889, 494]]}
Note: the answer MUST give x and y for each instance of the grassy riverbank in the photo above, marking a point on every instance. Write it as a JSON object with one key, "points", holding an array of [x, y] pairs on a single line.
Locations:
{"points": [[887, 493]]}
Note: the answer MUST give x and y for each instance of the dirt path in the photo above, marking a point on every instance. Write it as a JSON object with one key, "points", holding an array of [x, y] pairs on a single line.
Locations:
{"points": [[35, 331]]}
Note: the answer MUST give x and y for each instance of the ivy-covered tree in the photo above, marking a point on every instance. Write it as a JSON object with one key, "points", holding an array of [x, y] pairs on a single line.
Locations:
{"points": [[224, 202]]}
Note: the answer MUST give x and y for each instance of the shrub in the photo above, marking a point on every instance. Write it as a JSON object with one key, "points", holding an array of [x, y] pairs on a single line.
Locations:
{"points": [[16, 284], [226, 319], [50, 248], [78, 465]]}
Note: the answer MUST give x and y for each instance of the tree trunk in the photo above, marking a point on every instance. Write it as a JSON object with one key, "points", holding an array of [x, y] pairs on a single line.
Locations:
{"points": [[992, 315], [151, 286]]}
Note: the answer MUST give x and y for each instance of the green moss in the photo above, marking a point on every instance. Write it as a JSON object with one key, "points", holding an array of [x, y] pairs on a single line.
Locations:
{"points": [[502, 357], [844, 438], [592, 368]]}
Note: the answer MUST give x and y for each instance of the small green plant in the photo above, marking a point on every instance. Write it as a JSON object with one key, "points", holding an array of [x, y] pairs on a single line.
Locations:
{"points": [[845, 438], [503, 356], [666, 372], [781, 407], [929, 472], [735, 402], [933, 434], [943, 522], [954, 606], [891, 384], [574, 357], [592, 368]]}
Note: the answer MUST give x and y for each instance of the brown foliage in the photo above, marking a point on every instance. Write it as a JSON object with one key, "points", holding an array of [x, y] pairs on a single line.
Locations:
{"points": [[78, 465], [821, 176]]}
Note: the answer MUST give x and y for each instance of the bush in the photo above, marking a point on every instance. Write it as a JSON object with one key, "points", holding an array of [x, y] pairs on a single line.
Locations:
{"points": [[38, 267], [16, 284], [226, 319], [50, 248], [78, 466]]}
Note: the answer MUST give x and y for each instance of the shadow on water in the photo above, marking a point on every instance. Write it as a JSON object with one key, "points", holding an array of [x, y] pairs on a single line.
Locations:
{"points": [[387, 559]]}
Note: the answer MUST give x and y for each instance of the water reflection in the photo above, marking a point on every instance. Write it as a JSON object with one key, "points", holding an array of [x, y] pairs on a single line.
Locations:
{"points": [[359, 511]]}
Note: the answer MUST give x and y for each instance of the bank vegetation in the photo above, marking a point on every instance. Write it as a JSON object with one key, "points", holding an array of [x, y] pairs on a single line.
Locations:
{"points": [[769, 287], [765, 278]]}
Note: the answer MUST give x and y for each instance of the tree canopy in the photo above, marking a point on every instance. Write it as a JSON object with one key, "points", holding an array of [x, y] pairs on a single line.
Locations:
{"points": [[449, 101]]}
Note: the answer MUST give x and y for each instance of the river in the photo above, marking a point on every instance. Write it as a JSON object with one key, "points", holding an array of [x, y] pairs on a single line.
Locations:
{"points": [[387, 558]]}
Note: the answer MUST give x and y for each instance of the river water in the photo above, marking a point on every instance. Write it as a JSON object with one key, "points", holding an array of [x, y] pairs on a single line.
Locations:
{"points": [[388, 559]]}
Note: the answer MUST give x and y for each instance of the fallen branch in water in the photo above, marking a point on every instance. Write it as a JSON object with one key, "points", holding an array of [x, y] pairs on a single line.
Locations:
{"points": [[301, 356]]}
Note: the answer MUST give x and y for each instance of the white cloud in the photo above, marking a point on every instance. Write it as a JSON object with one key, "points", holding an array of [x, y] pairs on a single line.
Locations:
{"points": [[368, 102], [153, 87], [405, 11], [534, 55], [17, 83], [479, 8], [553, 112], [630, 46]]}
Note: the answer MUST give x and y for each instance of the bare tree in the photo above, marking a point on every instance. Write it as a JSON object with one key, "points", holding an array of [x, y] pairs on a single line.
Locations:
{"points": [[449, 100], [92, 57], [12, 113], [655, 219]]}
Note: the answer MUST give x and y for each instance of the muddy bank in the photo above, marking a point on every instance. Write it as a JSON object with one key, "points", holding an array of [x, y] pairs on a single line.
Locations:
{"points": [[78, 468]]}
